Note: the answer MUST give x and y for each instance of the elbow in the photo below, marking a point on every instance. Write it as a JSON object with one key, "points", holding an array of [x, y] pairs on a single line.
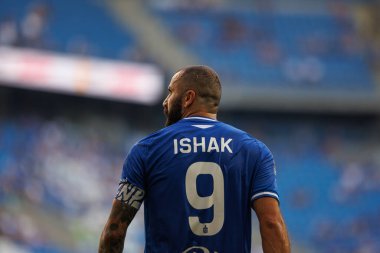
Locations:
{"points": [[270, 223], [274, 227]]}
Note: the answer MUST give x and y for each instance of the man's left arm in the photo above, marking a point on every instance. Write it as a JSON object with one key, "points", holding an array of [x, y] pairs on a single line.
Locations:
{"points": [[273, 231], [265, 202], [115, 230]]}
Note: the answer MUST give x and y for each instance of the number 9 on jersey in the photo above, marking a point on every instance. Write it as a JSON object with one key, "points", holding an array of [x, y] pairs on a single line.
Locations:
{"points": [[216, 199]]}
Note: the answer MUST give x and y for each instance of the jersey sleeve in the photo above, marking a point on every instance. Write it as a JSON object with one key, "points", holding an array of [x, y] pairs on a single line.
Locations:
{"points": [[131, 189], [264, 182], [133, 167]]}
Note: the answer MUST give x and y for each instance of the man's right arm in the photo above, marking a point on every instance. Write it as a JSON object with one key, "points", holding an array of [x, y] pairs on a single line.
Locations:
{"points": [[273, 231], [124, 208], [114, 232]]}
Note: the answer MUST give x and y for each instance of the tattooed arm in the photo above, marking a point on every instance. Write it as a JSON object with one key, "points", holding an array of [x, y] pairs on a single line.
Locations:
{"points": [[124, 208], [113, 235]]}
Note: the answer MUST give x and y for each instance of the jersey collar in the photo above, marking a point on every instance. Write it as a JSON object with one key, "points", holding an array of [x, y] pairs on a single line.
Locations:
{"points": [[202, 118]]}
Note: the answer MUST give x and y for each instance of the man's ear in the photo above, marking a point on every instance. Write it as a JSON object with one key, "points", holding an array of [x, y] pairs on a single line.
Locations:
{"points": [[189, 98]]}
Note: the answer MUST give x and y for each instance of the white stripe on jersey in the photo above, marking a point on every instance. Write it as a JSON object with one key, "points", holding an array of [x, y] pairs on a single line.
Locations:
{"points": [[200, 118], [264, 193], [203, 126]]}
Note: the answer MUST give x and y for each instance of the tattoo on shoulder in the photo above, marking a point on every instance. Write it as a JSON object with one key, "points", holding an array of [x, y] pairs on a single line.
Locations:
{"points": [[130, 194]]}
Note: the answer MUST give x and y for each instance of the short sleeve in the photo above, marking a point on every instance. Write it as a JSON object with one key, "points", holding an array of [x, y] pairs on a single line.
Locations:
{"points": [[264, 182], [131, 187], [133, 167]]}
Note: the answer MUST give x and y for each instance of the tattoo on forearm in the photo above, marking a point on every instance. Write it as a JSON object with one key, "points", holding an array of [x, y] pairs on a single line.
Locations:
{"points": [[114, 226], [113, 236], [129, 198]]}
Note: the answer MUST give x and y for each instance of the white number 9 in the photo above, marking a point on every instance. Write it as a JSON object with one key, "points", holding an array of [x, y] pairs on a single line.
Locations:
{"points": [[216, 199]]}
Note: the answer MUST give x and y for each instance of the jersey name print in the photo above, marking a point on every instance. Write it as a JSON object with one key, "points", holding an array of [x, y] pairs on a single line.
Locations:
{"points": [[198, 184], [202, 144]]}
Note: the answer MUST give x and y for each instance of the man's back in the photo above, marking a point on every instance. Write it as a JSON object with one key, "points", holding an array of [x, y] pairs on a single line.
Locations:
{"points": [[200, 177]]}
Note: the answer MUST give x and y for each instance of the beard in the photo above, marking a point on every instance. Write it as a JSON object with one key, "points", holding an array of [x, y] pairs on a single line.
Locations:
{"points": [[174, 114]]}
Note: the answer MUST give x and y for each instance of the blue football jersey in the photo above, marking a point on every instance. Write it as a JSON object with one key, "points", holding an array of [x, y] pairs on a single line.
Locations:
{"points": [[198, 178]]}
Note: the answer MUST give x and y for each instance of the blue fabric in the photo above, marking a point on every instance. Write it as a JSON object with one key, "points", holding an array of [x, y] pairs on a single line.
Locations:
{"points": [[221, 163]]}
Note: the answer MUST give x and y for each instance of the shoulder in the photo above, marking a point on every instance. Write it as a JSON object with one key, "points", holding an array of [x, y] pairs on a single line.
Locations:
{"points": [[243, 135], [234, 131], [247, 140], [153, 137]]}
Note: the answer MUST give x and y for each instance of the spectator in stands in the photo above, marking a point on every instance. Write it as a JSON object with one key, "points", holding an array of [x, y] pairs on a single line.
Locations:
{"points": [[81, 46], [186, 5], [198, 4], [8, 32], [305, 70], [34, 25], [264, 6], [135, 54], [192, 33], [269, 52], [350, 183], [232, 32], [367, 21]]}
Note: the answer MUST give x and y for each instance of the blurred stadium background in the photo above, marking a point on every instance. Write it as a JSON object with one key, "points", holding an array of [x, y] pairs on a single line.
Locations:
{"points": [[82, 80]]}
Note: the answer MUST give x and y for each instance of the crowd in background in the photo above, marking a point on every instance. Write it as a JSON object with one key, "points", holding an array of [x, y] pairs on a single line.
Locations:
{"points": [[38, 24], [64, 169], [263, 45], [67, 171], [58, 174], [30, 31], [258, 44]]}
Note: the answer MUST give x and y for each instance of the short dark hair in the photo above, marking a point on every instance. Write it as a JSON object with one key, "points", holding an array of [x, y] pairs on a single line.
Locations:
{"points": [[205, 81]]}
